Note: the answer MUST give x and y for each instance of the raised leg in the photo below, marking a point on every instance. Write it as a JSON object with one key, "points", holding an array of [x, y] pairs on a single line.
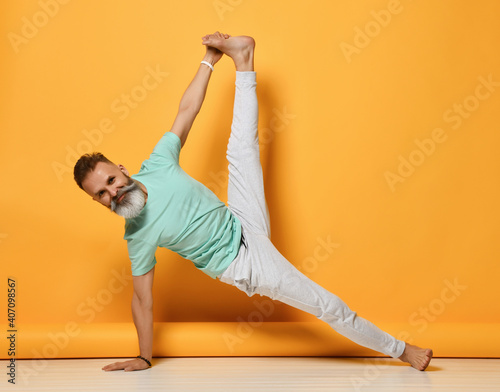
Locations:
{"points": [[240, 49], [246, 197]]}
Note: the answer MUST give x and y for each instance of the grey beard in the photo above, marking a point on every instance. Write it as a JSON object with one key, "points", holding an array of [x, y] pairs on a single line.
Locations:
{"points": [[132, 203]]}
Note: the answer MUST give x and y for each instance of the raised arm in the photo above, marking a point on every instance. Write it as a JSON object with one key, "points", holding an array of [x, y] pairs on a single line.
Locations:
{"points": [[142, 313], [194, 95]]}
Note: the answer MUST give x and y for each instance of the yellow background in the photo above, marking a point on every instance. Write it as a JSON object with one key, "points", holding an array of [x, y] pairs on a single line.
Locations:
{"points": [[344, 90]]}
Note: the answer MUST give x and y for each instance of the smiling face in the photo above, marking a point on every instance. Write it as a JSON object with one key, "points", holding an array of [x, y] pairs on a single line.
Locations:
{"points": [[104, 182], [111, 186]]}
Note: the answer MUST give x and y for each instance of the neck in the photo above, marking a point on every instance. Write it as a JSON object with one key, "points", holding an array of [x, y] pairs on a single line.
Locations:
{"points": [[144, 190]]}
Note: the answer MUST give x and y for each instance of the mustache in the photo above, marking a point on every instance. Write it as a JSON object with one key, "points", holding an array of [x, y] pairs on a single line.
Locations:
{"points": [[127, 188]]}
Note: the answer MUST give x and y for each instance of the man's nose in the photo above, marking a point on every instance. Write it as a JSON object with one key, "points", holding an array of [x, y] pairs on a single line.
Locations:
{"points": [[113, 192]]}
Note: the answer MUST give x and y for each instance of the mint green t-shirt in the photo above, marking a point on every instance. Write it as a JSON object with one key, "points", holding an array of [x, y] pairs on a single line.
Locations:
{"points": [[180, 214]]}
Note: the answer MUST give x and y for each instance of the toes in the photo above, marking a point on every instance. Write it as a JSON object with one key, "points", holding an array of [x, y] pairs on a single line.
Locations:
{"points": [[207, 39]]}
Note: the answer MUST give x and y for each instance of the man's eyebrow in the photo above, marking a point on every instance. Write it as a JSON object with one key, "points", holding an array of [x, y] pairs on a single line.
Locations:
{"points": [[97, 193]]}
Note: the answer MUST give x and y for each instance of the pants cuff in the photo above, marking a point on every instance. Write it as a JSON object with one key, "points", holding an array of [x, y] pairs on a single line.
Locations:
{"points": [[246, 76]]}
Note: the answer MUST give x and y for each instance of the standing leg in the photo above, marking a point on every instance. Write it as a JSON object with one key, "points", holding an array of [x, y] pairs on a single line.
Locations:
{"points": [[259, 267]]}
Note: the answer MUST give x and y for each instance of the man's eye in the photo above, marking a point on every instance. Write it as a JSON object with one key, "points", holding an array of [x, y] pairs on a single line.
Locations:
{"points": [[101, 193], [111, 179]]}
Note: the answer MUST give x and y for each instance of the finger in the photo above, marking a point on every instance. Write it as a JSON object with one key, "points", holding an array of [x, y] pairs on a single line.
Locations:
{"points": [[114, 366], [110, 367]]}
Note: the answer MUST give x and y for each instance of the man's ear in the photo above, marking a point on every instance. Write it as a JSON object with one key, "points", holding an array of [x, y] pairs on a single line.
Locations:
{"points": [[124, 170]]}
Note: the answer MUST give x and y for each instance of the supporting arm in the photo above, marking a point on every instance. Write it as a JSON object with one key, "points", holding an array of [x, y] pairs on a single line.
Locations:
{"points": [[142, 313]]}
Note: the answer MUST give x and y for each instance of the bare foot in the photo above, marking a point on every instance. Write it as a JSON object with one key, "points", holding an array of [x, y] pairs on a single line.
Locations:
{"points": [[240, 48], [417, 357]]}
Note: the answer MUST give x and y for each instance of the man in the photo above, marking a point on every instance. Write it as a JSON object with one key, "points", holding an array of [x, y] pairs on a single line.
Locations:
{"points": [[165, 207]]}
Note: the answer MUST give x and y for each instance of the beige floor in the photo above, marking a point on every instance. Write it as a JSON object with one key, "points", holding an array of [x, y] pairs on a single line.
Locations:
{"points": [[262, 374]]}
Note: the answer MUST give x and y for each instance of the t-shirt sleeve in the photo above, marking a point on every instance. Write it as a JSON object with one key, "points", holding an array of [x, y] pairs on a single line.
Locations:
{"points": [[142, 256], [167, 149]]}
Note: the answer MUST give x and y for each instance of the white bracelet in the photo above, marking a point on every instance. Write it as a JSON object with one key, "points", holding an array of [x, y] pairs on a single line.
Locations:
{"points": [[207, 63]]}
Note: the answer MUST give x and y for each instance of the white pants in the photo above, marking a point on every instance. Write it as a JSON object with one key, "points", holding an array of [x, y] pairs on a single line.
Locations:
{"points": [[259, 267]]}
